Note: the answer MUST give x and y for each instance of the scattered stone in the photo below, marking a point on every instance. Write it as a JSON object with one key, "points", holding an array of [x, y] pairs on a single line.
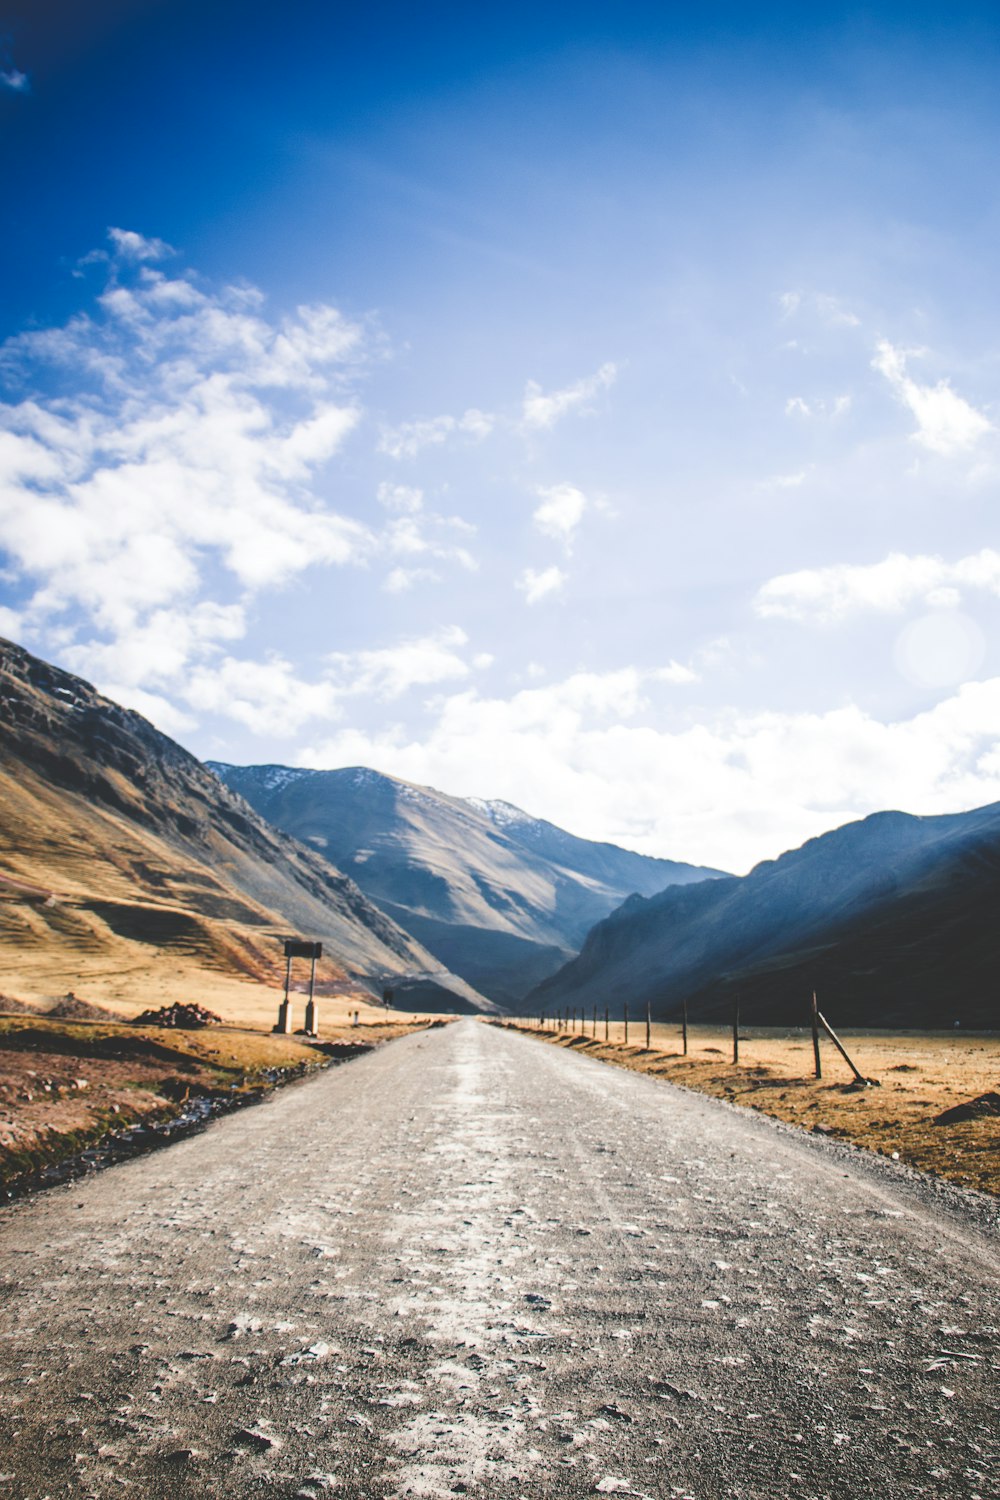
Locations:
{"points": [[72, 1008], [975, 1109], [184, 1017], [255, 1438], [180, 1456]]}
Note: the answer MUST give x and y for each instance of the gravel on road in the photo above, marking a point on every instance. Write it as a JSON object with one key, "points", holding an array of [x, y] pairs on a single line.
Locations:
{"points": [[469, 1264]]}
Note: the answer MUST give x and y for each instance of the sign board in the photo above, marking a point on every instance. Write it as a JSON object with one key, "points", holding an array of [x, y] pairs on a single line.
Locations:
{"points": [[296, 948]]}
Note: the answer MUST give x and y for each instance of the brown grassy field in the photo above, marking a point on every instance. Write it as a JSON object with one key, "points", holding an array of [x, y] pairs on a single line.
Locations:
{"points": [[66, 1085], [921, 1075]]}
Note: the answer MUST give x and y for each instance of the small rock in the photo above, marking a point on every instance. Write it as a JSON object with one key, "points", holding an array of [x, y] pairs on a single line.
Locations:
{"points": [[253, 1437], [180, 1456]]}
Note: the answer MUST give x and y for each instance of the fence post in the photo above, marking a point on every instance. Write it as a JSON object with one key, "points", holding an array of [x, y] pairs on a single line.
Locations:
{"points": [[736, 1028], [595, 1020], [835, 1039], [684, 1028], [647, 1025], [607, 1024], [815, 1031], [626, 1023]]}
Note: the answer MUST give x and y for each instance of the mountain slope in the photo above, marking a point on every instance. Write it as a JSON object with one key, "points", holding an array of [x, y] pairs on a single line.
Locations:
{"points": [[891, 919], [501, 898], [149, 857]]}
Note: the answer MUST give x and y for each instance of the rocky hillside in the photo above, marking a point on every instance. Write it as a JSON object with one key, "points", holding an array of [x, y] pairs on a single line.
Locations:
{"points": [[500, 897], [892, 920], [119, 849]]}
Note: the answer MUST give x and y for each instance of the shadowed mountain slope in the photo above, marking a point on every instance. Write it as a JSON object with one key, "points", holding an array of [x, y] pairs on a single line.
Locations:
{"points": [[892, 920], [500, 897], [150, 860]]}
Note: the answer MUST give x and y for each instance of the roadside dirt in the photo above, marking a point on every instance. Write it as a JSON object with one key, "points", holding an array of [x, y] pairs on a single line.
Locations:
{"points": [[920, 1075], [66, 1086], [471, 1265]]}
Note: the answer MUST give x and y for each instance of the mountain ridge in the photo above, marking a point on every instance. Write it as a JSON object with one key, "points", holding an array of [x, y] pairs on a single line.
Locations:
{"points": [[889, 916], [148, 852], [500, 897]]}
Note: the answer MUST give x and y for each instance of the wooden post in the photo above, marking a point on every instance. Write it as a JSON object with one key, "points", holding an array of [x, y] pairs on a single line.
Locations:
{"points": [[815, 1031], [595, 1020], [684, 1027], [573, 1028], [607, 1024], [835, 1039], [736, 1028], [647, 1025], [626, 1023], [311, 1026]]}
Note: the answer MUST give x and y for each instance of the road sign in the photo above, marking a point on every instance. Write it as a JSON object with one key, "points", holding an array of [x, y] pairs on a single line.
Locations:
{"points": [[296, 948]]}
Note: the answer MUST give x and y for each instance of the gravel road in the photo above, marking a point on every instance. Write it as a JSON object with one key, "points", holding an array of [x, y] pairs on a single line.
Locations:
{"points": [[471, 1263]]}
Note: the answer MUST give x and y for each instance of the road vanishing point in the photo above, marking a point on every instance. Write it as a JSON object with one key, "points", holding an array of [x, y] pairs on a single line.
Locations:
{"points": [[473, 1264]]}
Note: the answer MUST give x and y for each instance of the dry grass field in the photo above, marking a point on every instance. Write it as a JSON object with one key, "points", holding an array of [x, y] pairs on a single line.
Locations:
{"points": [[920, 1074], [66, 1086]]}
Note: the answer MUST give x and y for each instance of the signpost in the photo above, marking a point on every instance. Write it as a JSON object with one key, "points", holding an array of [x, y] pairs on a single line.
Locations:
{"points": [[299, 948]]}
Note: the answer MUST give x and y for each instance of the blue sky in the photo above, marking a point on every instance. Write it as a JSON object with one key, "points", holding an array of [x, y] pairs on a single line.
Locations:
{"points": [[595, 409]]}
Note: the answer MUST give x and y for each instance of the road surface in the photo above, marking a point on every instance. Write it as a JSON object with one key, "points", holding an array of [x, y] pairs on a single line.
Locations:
{"points": [[470, 1263]]}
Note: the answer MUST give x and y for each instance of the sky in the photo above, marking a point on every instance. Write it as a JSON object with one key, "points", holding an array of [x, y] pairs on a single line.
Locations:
{"points": [[592, 407]]}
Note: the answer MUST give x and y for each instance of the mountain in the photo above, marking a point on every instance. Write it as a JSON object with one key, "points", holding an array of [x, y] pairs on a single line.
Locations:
{"points": [[500, 897], [892, 920], [118, 849]]}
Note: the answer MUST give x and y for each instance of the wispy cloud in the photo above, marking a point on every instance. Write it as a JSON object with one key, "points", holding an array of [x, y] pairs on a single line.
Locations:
{"points": [[537, 585], [886, 587], [560, 512], [137, 247], [15, 80], [541, 409], [946, 422], [407, 440]]}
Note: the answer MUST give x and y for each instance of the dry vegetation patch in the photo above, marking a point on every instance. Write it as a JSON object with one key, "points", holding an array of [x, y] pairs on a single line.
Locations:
{"points": [[68, 1085], [922, 1074]]}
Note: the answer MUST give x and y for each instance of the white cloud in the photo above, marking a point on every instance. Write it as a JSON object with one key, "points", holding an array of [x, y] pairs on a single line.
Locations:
{"points": [[835, 314], [887, 587], [15, 80], [537, 585], [11, 623], [391, 671], [407, 440], [588, 752], [830, 310], [399, 580], [401, 498], [184, 465], [132, 246], [541, 410], [946, 423], [677, 674], [798, 406], [560, 512], [784, 481], [267, 696]]}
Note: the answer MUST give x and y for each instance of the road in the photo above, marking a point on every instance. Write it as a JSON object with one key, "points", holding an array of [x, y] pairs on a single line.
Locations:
{"points": [[471, 1263]]}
